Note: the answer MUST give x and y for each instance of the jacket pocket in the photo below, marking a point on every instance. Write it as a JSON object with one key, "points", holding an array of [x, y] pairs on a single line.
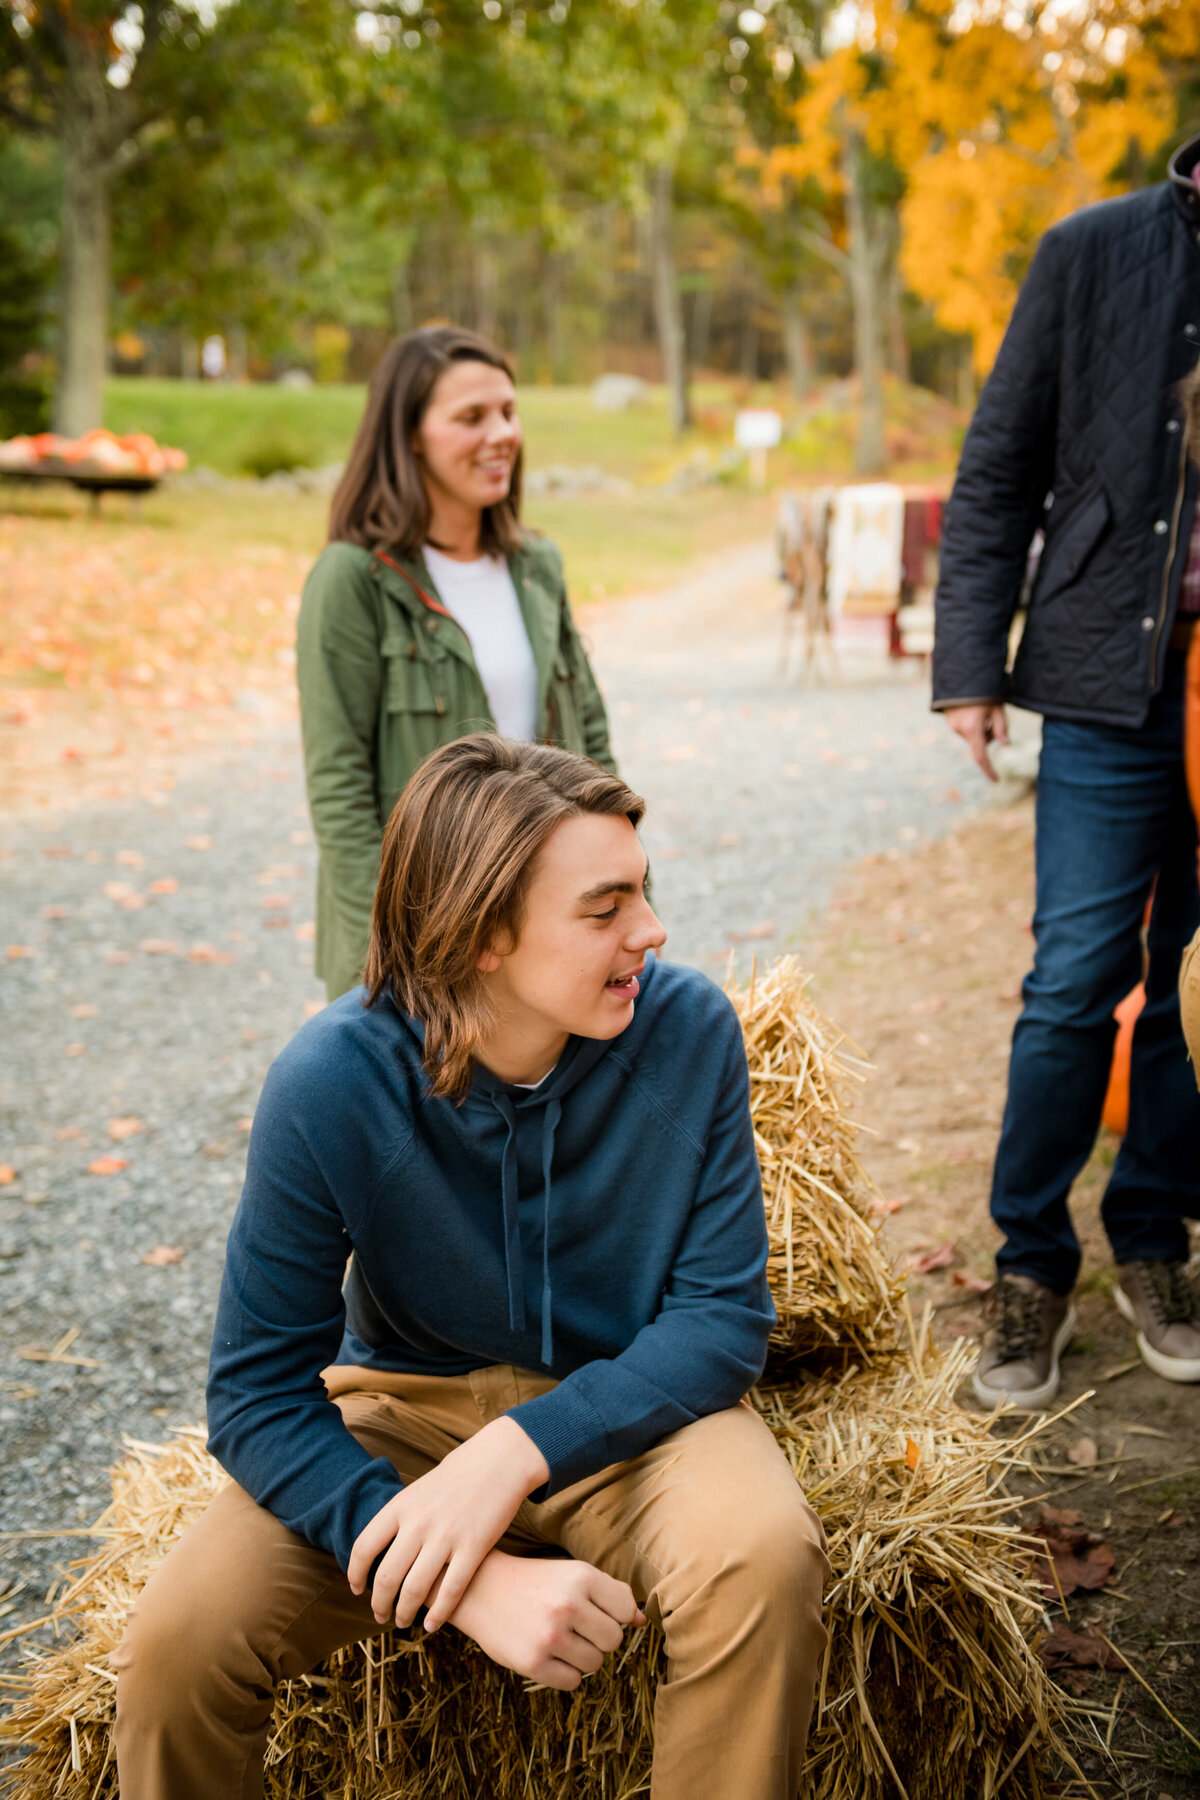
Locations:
{"points": [[407, 685], [564, 721], [1069, 549]]}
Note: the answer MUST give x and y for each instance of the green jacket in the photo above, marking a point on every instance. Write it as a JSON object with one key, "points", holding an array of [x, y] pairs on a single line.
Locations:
{"points": [[385, 679]]}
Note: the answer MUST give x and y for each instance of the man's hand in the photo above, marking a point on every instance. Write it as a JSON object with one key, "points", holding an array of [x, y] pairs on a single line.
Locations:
{"points": [[979, 726], [552, 1621], [446, 1521]]}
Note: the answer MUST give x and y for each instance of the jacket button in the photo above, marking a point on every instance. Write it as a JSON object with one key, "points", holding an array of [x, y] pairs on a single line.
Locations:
{"points": [[1189, 331], [1160, 526], [433, 624], [1147, 624], [1172, 424]]}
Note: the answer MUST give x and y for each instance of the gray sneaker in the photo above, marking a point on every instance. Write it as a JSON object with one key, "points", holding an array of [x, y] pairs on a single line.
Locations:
{"points": [[1031, 1327], [1159, 1301]]}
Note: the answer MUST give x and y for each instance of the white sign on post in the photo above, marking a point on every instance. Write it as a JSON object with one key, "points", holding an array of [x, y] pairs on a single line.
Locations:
{"points": [[758, 430]]}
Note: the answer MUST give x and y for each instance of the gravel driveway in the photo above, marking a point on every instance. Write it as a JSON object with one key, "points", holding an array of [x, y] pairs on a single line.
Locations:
{"points": [[161, 957]]}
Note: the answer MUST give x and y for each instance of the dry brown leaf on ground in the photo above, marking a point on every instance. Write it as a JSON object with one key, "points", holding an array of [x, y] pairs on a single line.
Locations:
{"points": [[1070, 1557], [107, 1165], [1066, 1649], [126, 1127], [941, 1258], [163, 1255], [974, 1284]]}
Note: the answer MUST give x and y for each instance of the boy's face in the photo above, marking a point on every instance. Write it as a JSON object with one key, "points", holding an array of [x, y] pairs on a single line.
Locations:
{"points": [[583, 943]]}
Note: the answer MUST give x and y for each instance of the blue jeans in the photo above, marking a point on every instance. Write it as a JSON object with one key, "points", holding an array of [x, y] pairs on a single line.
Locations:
{"points": [[1112, 814]]}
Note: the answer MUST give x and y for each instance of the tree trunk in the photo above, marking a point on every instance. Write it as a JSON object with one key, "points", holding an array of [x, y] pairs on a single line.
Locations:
{"points": [[897, 342], [701, 324], [239, 351], [85, 254], [867, 260], [668, 302], [797, 344]]}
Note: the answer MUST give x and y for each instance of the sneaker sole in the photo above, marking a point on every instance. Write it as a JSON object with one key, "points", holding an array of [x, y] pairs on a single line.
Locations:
{"points": [[1030, 1399], [1171, 1368]]}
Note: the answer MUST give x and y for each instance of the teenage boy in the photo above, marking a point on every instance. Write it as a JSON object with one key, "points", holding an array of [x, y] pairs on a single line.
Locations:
{"points": [[533, 1143]]}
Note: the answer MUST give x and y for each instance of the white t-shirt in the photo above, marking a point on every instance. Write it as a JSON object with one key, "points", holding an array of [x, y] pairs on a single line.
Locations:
{"points": [[481, 597]]}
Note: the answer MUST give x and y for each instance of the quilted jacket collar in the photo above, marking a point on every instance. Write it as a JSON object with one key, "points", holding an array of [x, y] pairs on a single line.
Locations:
{"points": [[1180, 171]]}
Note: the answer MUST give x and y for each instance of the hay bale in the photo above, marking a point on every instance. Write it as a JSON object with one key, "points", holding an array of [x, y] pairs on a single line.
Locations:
{"points": [[837, 1296], [930, 1685]]}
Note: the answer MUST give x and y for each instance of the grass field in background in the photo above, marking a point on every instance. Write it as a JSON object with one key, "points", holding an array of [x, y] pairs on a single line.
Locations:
{"points": [[241, 430], [612, 544]]}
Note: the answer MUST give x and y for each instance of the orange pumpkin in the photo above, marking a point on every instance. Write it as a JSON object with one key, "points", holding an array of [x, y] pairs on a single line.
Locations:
{"points": [[1116, 1101]]}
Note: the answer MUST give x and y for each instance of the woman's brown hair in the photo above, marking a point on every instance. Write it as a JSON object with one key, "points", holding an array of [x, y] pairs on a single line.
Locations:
{"points": [[458, 854], [380, 501]]}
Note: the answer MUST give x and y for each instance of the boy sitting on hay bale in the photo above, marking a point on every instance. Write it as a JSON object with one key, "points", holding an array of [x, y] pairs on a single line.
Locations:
{"points": [[525, 1412]]}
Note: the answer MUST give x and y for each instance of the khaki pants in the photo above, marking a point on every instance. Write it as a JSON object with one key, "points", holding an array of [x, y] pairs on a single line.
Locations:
{"points": [[1189, 999], [708, 1528]]}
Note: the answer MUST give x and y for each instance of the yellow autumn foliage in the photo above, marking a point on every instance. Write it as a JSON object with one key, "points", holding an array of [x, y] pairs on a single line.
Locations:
{"points": [[996, 133]]}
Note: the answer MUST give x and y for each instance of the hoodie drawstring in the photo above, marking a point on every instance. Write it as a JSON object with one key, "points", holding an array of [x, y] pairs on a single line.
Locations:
{"points": [[508, 1204], [514, 1262], [550, 1120]]}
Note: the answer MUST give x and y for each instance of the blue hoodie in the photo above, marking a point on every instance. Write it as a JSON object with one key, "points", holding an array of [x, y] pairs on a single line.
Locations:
{"points": [[606, 1227]]}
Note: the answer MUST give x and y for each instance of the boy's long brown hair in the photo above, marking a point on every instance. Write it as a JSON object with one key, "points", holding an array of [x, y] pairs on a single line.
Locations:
{"points": [[380, 501], [458, 854]]}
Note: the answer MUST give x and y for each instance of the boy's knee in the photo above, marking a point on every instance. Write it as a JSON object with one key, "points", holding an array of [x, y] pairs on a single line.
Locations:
{"points": [[178, 1657], [768, 1569]]}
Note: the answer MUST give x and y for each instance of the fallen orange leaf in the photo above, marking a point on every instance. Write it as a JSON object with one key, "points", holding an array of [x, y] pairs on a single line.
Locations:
{"points": [[163, 1254], [17, 951], [7, 1174], [208, 953], [120, 1129], [107, 1165], [202, 841], [75, 1050], [912, 1454], [160, 947], [166, 884]]}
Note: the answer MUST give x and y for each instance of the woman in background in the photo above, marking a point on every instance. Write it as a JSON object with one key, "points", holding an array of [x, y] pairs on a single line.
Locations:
{"points": [[431, 613]]}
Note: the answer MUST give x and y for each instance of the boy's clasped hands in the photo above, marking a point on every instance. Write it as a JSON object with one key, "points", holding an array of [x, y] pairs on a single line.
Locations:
{"points": [[552, 1620]]}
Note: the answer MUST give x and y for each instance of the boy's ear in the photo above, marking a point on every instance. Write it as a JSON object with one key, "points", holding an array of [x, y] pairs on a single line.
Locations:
{"points": [[489, 962]]}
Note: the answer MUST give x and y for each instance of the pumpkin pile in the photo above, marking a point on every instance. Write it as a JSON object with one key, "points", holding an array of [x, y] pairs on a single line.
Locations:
{"points": [[97, 452]]}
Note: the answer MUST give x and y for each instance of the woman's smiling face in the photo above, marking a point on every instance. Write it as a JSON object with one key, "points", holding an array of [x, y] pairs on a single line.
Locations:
{"points": [[470, 435], [583, 939]]}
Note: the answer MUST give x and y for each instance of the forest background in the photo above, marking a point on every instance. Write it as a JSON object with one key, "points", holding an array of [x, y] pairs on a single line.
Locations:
{"points": [[662, 187]]}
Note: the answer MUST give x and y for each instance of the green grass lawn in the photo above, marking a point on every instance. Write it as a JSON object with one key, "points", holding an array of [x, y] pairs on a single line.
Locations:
{"points": [[254, 429], [240, 430]]}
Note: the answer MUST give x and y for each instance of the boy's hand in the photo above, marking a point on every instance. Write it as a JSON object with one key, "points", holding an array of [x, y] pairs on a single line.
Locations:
{"points": [[551, 1620], [447, 1521]]}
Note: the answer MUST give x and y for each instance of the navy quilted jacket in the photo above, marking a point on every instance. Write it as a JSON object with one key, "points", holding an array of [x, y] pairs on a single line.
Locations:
{"points": [[1079, 431]]}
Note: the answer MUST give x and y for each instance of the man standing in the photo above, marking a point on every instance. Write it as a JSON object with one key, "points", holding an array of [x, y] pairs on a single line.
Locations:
{"points": [[1079, 433]]}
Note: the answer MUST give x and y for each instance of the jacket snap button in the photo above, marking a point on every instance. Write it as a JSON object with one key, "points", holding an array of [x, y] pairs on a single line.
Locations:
{"points": [[1160, 526], [1189, 331], [1147, 624], [1172, 424]]}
